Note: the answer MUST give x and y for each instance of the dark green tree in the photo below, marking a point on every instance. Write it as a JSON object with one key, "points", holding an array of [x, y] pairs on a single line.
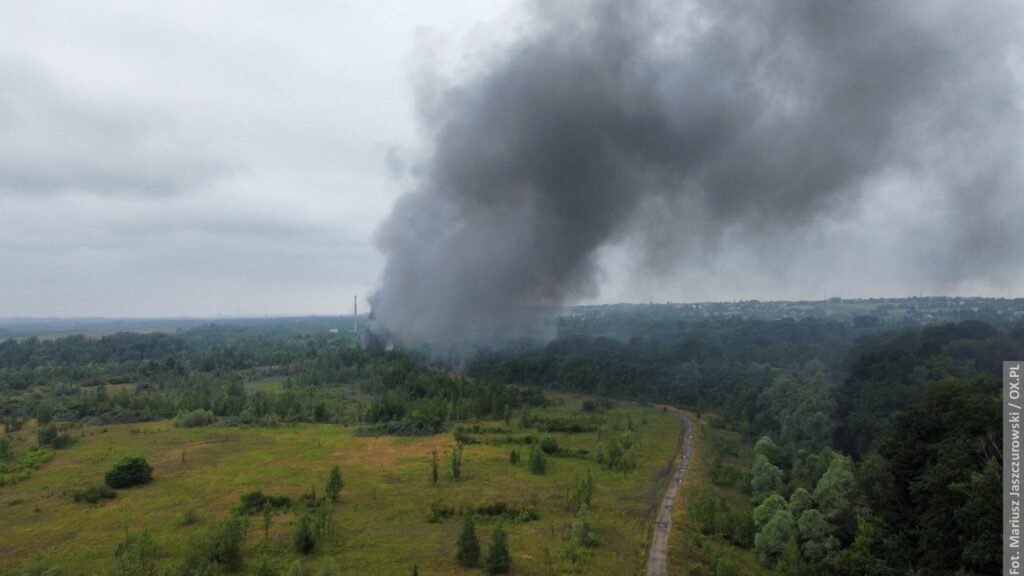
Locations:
{"points": [[457, 462], [583, 491], [498, 559], [48, 435], [334, 484], [224, 544], [129, 471], [433, 468], [538, 463], [468, 547], [304, 538]]}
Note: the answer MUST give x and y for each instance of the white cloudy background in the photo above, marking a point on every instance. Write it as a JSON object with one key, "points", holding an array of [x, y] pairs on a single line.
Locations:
{"points": [[201, 158], [207, 157]]}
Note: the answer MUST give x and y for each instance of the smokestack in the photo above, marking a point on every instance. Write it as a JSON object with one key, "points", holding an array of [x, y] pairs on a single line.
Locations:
{"points": [[355, 315]]}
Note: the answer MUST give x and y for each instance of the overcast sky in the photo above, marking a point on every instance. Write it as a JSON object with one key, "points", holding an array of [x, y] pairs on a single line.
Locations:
{"points": [[236, 158]]}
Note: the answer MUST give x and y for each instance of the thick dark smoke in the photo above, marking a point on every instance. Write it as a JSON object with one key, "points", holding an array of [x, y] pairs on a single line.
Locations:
{"points": [[680, 120]]}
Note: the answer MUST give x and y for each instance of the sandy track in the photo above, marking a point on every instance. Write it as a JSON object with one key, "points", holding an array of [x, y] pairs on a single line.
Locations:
{"points": [[657, 560]]}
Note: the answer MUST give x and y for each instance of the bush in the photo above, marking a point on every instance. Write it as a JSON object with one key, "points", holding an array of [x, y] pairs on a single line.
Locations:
{"points": [[264, 567], [220, 547], [468, 552], [548, 444], [190, 517], [538, 464], [94, 495], [130, 471], [252, 503], [193, 419], [498, 559], [135, 556], [226, 544], [304, 539], [49, 436], [334, 484]]}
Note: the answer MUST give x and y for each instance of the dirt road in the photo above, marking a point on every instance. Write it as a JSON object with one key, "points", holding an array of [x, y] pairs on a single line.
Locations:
{"points": [[658, 558]]}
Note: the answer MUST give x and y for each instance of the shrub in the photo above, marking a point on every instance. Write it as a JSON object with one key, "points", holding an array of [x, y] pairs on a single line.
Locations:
{"points": [[582, 532], [304, 539], [190, 517], [224, 544], [297, 569], [130, 471], [49, 436], [219, 549], [310, 500], [538, 463], [94, 494], [498, 559], [334, 484], [136, 556], [468, 552], [193, 419], [264, 567], [583, 491], [439, 512], [252, 503], [549, 444], [328, 567]]}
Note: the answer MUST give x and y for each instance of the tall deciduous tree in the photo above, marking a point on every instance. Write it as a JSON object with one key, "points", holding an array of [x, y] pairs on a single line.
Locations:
{"points": [[765, 478]]}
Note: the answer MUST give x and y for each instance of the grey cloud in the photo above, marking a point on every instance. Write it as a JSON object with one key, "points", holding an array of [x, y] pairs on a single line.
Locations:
{"points": [[54, 141], [680, 122]]}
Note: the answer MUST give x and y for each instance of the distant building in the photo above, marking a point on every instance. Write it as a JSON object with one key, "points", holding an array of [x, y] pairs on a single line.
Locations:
{"points": [[333, 330]]}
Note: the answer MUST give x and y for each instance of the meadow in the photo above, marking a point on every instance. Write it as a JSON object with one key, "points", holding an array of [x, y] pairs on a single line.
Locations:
{"points": [[691, 552], [383, 516]]}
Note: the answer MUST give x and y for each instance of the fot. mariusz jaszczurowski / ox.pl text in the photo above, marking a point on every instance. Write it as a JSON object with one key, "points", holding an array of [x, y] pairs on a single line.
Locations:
{"points": [[1011, 467]]}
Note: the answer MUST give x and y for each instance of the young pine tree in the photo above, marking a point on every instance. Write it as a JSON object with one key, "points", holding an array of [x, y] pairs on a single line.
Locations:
{"points": [[538, 464], [434, 469], [268, 518], [334, 484], [304, 538], [457, 463], [583, 492], [468, 553], [498, 559]]}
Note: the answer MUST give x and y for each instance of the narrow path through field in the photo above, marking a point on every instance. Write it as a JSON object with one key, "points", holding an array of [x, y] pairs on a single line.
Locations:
{"points": [[657, 560]]}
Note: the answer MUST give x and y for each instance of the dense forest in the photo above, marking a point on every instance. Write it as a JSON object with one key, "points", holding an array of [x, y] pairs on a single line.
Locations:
{"points": [[204, 375], [877, 450], [876, 445]]}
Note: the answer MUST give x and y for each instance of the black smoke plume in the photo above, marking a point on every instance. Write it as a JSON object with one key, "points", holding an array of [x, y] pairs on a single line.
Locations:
{"points": [[679, 120]]}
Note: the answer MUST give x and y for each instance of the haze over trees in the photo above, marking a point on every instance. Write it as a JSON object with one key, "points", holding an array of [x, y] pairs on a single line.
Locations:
{"points": [[875, 451]]}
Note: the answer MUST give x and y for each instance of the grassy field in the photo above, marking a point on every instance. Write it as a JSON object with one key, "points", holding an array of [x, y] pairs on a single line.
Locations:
{"points": [[690, 552], [383, 512]]}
